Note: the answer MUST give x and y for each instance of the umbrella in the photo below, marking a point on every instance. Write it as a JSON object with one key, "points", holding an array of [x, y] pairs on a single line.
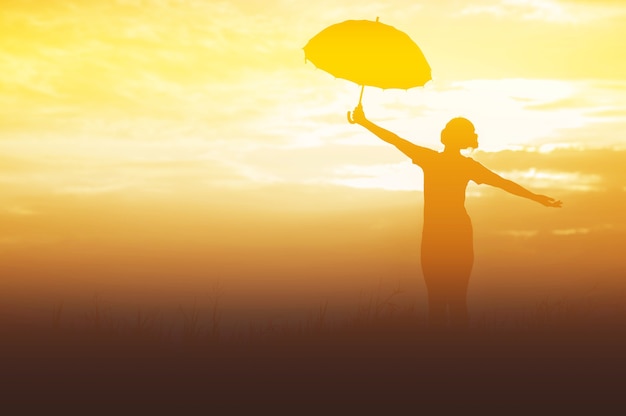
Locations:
{"points": [[369, 53]]}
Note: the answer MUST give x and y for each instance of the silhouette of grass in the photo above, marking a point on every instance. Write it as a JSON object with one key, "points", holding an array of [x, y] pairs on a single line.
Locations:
{"points": [[580, 314], [384, 311], [193, 328], [379, 312], [191, 323], [215, 312], [57, 310], [384, 350]]}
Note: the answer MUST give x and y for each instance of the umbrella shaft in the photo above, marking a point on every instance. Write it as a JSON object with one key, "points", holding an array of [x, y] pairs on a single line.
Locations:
{"points": [[361, 96]]}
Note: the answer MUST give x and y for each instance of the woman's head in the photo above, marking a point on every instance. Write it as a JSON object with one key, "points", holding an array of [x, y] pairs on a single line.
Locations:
{"points": [[459, 133]]}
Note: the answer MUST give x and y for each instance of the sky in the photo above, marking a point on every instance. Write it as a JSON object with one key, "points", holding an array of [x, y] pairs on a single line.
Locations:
{"points": [[153, 150]]}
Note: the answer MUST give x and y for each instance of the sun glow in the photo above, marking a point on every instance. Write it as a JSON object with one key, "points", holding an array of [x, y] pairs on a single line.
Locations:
{"points": [[393, 177], [161, 144]]}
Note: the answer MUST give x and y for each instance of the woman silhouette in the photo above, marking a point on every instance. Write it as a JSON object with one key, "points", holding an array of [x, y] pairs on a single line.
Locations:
{"points": [[447, 250]]}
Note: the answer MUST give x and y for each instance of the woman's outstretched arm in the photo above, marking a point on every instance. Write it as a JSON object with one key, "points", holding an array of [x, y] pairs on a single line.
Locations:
{"points": [[415, 152], [493, 179]]}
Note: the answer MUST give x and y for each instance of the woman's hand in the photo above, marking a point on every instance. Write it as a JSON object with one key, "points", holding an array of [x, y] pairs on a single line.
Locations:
{"points": [[548, 202], [358, 116]]}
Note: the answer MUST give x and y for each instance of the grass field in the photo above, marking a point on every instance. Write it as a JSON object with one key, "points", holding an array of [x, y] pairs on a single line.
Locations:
{"points": [[383, 356]]}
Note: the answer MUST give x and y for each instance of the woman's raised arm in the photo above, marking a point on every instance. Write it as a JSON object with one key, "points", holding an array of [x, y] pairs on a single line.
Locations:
{"points": [[417, 153]]}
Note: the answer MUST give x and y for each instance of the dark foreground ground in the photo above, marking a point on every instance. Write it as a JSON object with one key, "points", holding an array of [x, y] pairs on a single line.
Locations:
{"points": [[364, 369]]}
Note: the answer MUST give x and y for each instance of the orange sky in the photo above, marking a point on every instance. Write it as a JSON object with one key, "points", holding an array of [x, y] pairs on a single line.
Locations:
{"points": [[151, 148]]}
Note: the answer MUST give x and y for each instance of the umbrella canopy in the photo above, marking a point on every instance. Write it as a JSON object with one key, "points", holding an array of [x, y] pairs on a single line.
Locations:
{"points": [[369, 53]]}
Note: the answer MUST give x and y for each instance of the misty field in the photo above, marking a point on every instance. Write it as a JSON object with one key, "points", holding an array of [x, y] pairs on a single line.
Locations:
{"points": [[559, 353]]}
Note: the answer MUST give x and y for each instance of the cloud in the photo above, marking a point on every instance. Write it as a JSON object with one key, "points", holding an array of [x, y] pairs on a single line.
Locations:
{"points": [[544, 10], [595, 167], [571, 231], [226, 82], [616, 3], [551, 179], [519, 233], [18, 210], [550, 11], [100, 47], [394, 177]]}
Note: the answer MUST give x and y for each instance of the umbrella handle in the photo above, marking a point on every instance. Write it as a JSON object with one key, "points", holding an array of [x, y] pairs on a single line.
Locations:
{"points": [[350, 119]]}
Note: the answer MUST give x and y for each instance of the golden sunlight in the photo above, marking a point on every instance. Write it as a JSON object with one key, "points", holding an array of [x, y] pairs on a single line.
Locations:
{"points": [[149, 148]]}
